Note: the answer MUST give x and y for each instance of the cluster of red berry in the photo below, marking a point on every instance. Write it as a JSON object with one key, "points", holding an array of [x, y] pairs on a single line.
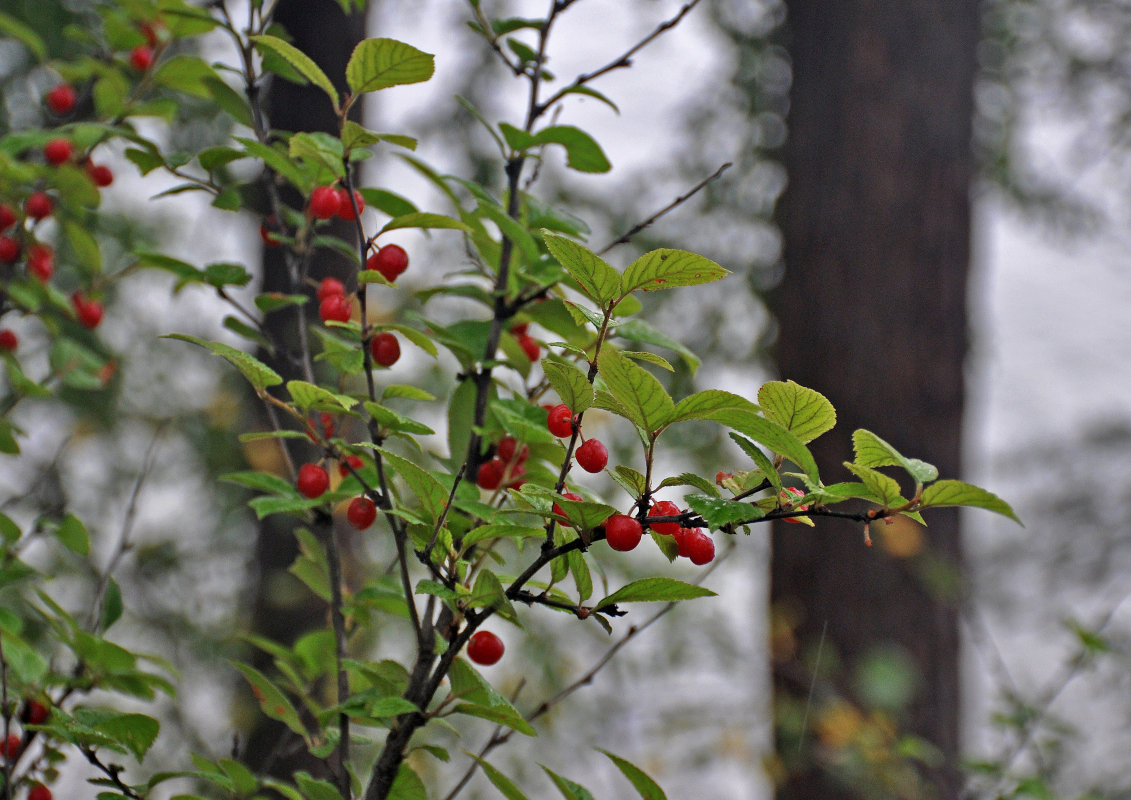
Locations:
{"points": [[33, 713], [506, 468], [313, 482]]}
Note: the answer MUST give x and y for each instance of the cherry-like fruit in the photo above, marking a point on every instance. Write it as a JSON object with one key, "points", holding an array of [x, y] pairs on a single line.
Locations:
{"points": [[490, 474], [100, 174], [10, 749], [329, 287], [485, 648], [700, 547], [361, 512], [335, 308], [8, 340], [141, 57], [9, 249], [39, 792], [391, 261], [89, 312], [35, 713], [345, 208], [8, 217], [530, 346], [622, 532], [664, 508], [313, 481], [41, 262], [560, 421], [39, 205], [385, 349], [61, 99], [58, 151], [324, 202], [508, 449], [592, 456]]}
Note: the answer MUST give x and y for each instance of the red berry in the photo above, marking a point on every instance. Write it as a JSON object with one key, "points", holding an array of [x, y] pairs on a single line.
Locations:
{"points": [[490, 474], [622, 532], [700, 547], [39, 792], [664, 508], [560, 421], [361, 512], [385, 349], [324, 202], [38, 205], [11, 748], [335, 308], [353, 462], [327, 421], [58, 151], [88, 311], [35, 713], [508, 447], [519, 329], [41, 262], [485, 648], [530, 346], [7, 217], [141, 57], [100, 174], [61, 99], [391, 260], [330, 286], [792, 490], [683, 541], [345, 209], [9, 249], [592, 456], [8, 340], [568, 496], [313, 481]]}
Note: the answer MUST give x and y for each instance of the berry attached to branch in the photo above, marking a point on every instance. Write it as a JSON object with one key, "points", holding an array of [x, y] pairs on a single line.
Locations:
{"points": [[592, 456], [391, 261], [664, 508], [485, 648], [61, 99], [361, 512], [313, 481], [39, 205], [385, 349], [560, 421], [89, 312], [324, 202], [335, 308], [58, 151], [622, 532], [8, 340]]}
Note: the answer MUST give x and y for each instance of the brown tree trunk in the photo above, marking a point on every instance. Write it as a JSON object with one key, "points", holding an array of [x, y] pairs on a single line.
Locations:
{"points": [[871, 312], [283, 610]]}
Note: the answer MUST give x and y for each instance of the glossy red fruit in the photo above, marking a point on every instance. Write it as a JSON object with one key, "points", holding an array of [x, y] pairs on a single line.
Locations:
{"points": [[41, 262], [792, 490], [485, 648], [391, 261], [683, 541], [38, 205], [664, 508], [61, 99], [560, 421], [361, 512], [508, 449], [35, 713], [335, 308], [58, 151], [141, 57], [10, 749], [329, 287], [568, 496], [9, 249], [592, 456], [39, 792], [345, 209], [700, 547], [100, 174], [313, 481], [324, 202], [8, 340], [622, 532], [7, 217], [490, 474], [89, 312], [530, 346], [385, 349], [354, 462]]}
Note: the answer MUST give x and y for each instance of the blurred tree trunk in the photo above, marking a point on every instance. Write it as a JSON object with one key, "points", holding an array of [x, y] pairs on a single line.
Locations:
{"points": [[281, 608], [871, 312]]}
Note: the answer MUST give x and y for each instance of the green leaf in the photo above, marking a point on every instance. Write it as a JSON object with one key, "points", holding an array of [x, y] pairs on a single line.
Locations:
{"points": [[704, 405], [87, 252], [581, 577], [803, 412], [9, 530], [569, 789], [22, 659], [271, 699], [765, 466], [420, 219], [73, 535], [642, 397], [489, 593], [407, 785], [647, 590], [597, 279], [380, 63], [316, 788], [571, 384], [717, 511], [309, 397], [431, 493], [500, 531], [666, 269], [770, 434], [883, 487], [259, 374], [318, 150], [136, 732], [637, 330], [112, 606], [394, 421], [872, 451], [957, 493], [582, 151], [499, 780], [647, 788], [300, 61], [10, 26], [184, 73], [631, 480]]}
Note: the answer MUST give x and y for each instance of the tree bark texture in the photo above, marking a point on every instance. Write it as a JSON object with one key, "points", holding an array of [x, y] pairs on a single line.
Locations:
{"points": [[871, 312]]}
